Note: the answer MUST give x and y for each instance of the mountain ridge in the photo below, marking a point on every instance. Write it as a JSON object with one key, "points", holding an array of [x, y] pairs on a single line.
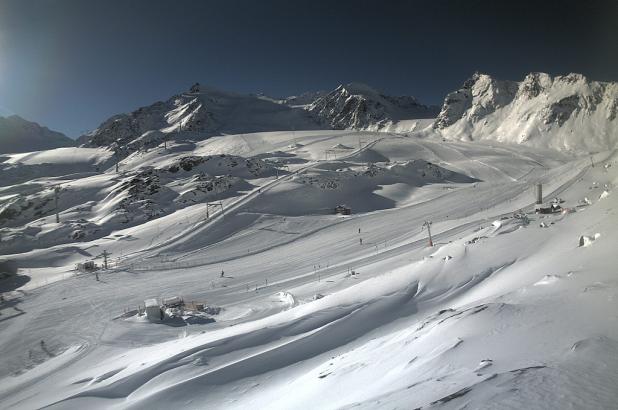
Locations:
{"points": [[205, 111], [359, 106], [20, 135], [565, 112]]}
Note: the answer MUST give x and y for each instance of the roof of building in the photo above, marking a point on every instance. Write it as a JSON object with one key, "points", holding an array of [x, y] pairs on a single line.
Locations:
{"points": [[151, 302]]}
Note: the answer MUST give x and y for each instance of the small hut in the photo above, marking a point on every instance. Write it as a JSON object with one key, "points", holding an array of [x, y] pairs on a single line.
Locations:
{"points": [[153, 310], [88, 266], [343, 210]]}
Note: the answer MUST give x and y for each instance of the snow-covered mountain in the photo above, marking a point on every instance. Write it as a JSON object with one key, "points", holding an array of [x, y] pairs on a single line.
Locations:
{"points": [[199, 113], [358, 106], [204, 112], [569, 113], [305, 98], [20, 135]]}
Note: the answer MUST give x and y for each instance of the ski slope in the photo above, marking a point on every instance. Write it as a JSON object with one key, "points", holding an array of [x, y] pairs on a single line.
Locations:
{"points": [[500, 313]]}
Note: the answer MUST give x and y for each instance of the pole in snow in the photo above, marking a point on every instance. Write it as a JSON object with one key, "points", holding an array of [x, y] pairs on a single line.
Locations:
{"points": [[428, 225], [539, 194], [56, 192], [209, 204], [105, 258]]}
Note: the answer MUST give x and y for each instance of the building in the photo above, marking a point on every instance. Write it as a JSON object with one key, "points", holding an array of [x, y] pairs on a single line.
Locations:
{"points": [[87, 266], [153, 310], [343, 210], [173, 302]]}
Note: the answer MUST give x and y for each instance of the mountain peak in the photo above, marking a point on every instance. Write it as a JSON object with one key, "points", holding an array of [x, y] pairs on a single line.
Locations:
{"points": [[360, 106], [566, 112], [358, 89]]}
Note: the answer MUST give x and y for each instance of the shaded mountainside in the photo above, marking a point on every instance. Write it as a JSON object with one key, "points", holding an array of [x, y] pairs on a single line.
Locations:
{"points": [[20, 135], [358, 106], [568, 113]]}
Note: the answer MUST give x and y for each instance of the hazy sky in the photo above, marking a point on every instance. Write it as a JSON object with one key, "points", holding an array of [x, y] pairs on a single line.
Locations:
{"points": [[70, 64]]}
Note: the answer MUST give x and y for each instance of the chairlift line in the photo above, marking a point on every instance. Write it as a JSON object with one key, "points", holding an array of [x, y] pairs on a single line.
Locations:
{"points": [[428, 225]]}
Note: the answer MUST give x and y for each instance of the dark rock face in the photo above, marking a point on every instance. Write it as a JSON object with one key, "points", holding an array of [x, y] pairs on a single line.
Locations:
{"points": [[561, 111], [357, 106], [479, 96]]}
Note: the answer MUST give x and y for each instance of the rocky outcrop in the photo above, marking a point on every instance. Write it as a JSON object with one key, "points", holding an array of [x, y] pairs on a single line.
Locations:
{"points": [[358, 106], [569, 113]]}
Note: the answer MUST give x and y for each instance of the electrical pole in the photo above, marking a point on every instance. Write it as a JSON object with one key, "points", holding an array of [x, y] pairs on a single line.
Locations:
{"points": [[428, 225], [209, 204], [539, 194], [105, 259], [56, 192]]}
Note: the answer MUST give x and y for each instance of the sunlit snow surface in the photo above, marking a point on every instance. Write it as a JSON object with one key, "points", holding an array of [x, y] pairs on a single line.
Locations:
{"points": [[502, 314]]}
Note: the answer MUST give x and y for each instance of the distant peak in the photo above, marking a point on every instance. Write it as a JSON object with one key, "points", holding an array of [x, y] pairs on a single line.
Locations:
{"points": [[14, 117], [477, 76], [358, 88], [572, 78]]}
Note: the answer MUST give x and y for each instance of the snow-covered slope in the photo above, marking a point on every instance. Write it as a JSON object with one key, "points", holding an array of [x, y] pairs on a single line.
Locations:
{"points": [[92, 205], [505, 310], [31, 166], [19, 135], [570, 113], [358, 106]]}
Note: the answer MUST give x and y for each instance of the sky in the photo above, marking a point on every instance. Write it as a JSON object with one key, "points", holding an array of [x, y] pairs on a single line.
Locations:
{"points": [[71, 64]]}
